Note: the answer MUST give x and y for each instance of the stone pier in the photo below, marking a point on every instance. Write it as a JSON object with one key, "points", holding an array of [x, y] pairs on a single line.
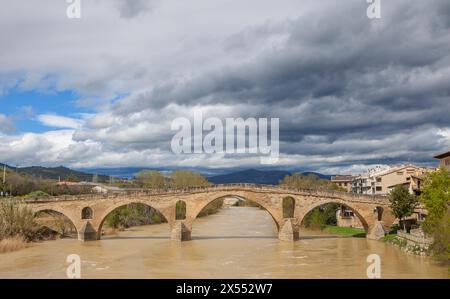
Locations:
{"points": [[376, 232], [87, 233], [180, 231], [289, 231]]}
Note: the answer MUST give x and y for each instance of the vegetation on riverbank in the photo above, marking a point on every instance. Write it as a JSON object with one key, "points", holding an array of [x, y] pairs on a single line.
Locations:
{"points": [[17, 221], [12, 244], [416, 249], [321, 217], [17, 227], [389, 238], [345, 231], [324, 218], [212, 208], [436, 198], [247, 203], [132, 215], [402, 203]]}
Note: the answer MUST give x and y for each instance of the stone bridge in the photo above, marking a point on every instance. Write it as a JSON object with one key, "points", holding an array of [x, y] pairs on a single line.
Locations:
{"points": [[88, 212]]}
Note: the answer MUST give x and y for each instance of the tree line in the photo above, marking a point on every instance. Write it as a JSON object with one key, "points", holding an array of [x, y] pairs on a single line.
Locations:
{"points": [[309, 182], [21, 184], [180, 179]]}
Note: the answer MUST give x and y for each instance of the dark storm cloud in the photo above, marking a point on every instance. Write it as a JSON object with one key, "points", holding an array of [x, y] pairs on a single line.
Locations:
{"points": [[378, 63], [337, 75]]}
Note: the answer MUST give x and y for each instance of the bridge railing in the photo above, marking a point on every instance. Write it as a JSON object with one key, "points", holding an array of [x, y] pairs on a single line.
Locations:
{"points": [[211, 188]]}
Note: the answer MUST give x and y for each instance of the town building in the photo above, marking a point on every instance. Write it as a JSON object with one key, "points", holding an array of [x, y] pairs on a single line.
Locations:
{"points": [[347, 218], [444, 160], [381, 180], [343, 181]]}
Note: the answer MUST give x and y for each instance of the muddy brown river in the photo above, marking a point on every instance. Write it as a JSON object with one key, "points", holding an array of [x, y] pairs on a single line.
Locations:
{"points": [[237, 242]]}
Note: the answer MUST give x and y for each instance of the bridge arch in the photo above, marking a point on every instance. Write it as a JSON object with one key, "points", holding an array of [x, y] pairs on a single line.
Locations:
{"points": [[60, 212], [364, 221], [101, 220], [254, 199]]}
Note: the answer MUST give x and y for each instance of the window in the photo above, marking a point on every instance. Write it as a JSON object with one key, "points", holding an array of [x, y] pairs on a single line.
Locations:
{"points": [[447, 162], [379, 180], [180, 210], [86, 213], [400, 172], [379, 188], [288, 207]]}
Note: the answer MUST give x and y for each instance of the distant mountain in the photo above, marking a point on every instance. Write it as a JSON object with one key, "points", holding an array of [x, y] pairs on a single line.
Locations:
{"points": [[7, 166], [217, 176], [59, 172], [120, 172], [322, 176], [130, 172], [252, 176]]}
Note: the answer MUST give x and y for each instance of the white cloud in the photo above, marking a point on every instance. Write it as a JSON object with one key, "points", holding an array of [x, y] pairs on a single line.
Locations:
{"points": [[58, 121]]}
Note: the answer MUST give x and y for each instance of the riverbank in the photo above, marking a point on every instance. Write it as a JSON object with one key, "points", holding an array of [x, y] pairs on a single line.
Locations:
{"points": [[415, 242], [12, 244], [345, 231]]}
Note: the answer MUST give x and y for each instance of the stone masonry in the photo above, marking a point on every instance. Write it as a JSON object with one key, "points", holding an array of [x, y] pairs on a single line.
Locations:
{"points": [[374, 212]]}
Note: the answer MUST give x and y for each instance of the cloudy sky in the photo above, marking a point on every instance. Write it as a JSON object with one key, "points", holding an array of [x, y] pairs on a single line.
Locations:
{"points": [[102, 91]]}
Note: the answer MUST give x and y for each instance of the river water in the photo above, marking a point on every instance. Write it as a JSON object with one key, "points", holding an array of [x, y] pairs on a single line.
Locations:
{"points": [[237, 242]]}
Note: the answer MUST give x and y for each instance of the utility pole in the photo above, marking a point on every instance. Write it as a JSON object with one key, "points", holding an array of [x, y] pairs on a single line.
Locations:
{"points": [[4, 174]]}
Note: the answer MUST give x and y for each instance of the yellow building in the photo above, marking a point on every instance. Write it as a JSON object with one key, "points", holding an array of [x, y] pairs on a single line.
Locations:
{"points": [[343, 181]]}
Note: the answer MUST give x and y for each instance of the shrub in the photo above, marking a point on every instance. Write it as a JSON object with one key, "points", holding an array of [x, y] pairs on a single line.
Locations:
{"points": [[212, 208], [17, 221], [37, 194], [12, 244]]}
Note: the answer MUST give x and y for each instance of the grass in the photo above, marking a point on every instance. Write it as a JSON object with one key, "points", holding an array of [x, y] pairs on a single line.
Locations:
{"points": [[389, 238], [345, 231], [12, 244]]}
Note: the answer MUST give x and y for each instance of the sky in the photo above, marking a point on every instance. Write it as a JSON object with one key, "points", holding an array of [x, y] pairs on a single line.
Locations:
{"points": [[102, 91]]}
